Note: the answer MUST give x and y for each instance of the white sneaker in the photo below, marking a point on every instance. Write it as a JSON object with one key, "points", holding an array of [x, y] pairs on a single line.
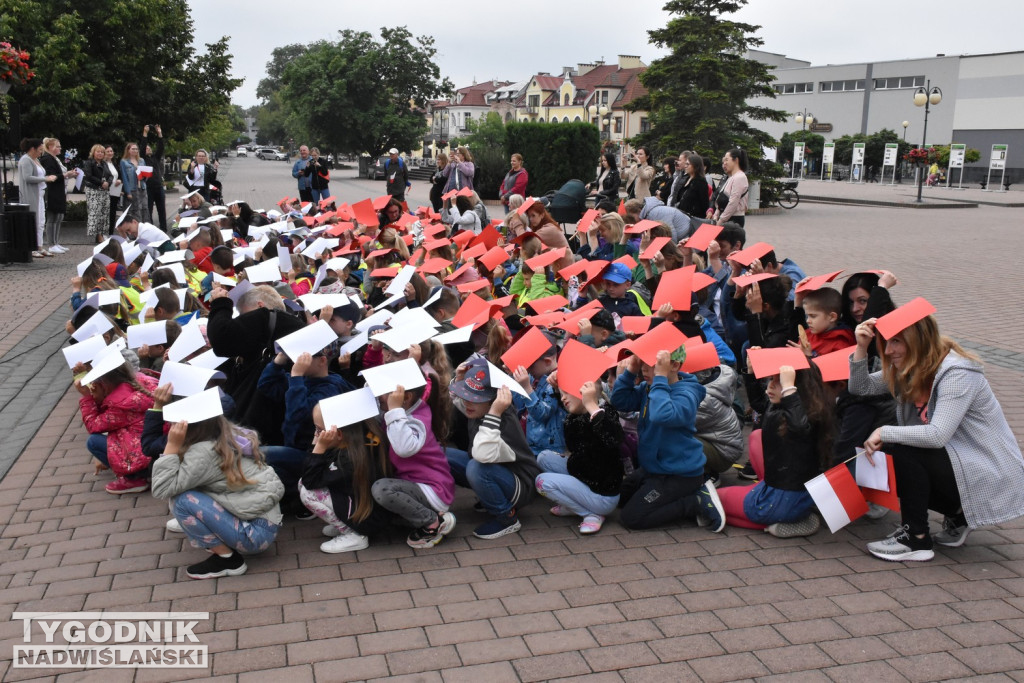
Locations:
{"points": [[331, 531], [174, 526], [58, 249], [345, 543]]}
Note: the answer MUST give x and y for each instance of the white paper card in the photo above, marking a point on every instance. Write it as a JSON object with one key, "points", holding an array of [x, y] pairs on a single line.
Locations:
{"points": [[872, 476], [84, 352], [456, 336], [109, 359], [188, 222], [147, 264], [402, 337], [310, 339], [189, 341], [83, 265], [349, 408], [500, 379], [97, 324], [196, 408], [355, 343], [187, 380], [378, 318], [208, 360], [399, 282], [104, 297], [151, 334], [224, 280], [175, 256], [314, 302], [99, 247], [384, 378], [268, 271], [179, 272]]}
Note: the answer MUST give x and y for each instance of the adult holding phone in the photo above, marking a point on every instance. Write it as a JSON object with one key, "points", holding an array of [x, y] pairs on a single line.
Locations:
{"points": [[56, 193], [155, 192], [201, 173], [319, 175], [952, 450], [639, 174]]}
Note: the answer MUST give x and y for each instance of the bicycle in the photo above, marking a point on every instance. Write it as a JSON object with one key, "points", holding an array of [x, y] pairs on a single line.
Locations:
{"points": [[784, 193]]}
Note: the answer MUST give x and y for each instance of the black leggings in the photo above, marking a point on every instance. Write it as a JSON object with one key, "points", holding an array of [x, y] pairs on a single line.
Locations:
{"points": [[924, 481], [652, 500]]}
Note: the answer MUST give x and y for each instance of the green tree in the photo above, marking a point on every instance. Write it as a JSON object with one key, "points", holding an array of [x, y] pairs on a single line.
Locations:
{"points": [[486, 141], [874, 147], [361, 94], [104, 69], [813, 146], [971, 155], [698, 96]]}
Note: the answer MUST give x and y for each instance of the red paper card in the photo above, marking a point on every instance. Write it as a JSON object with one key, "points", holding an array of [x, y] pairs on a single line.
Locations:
{"points": [[474, 251], [463, 238], [380, 202], [591, 270], [527, 349], [588, 219], [379, 252], [747, 280], [474, 286], [579, 364], [462, 270], [703, 237], [431, 245], [530, 201], [434, 266], [676, 288], [766, 362], [622, 207], [545, 319], [365, 214], [339, 229], [449, 195], [700, 357], [488, 236], [464, 192], [432, 230], [474, 311], [406, 219], [635, 324], [642, 226], [654, 247], [817, 282], [894, 322], [835, 366], [747, 256], [548, 303], [700, 281], [619, 351], [628, 260], [493, 258], [384, 272], [541, 261], [571, 324], [664, 337]]}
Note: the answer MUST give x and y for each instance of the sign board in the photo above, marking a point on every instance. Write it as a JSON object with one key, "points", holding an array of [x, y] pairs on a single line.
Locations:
{"points": [[857, 164], [957, 154], [798, 159], [828, 155], [820, 127], [890, 159], [997, 161]]}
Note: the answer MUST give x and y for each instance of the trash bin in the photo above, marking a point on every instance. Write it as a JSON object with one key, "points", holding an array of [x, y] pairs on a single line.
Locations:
{"points": [[17, 234]]}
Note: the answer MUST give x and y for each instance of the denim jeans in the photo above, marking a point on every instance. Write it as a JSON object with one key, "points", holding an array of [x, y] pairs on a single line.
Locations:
{"points": [[97, 446], [556, 484], [207, 525], [319, 195], [494, 484]]}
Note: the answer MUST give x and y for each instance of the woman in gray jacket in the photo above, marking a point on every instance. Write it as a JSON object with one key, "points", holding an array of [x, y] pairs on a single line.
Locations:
{"points": [[952, 449], [225, 496], [31, 183]]}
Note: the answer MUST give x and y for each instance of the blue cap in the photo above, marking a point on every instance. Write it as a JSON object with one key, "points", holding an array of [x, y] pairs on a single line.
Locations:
{"points": [[618, 273]]}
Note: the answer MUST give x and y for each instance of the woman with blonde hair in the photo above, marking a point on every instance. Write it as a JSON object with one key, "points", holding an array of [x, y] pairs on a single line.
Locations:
{"points": [[613, 242], [951, 448], [134, 188], [459, 171], [96, 181], [514, 225], [56, 194]]}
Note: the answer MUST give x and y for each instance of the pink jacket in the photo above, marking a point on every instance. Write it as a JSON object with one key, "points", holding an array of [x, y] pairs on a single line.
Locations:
{"points": [[120, 415]]}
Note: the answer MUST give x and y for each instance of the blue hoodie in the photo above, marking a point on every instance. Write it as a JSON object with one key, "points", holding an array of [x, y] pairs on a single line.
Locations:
{"points": [[545, 416], [666, 432]]}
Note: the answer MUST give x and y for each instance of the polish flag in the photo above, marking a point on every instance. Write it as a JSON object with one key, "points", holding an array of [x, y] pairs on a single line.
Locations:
{"points": [[145, 172], [890, 498], [837, 496]]}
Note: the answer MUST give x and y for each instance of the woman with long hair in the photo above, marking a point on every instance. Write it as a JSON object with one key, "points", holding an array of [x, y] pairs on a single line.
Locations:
{"points": [[134, 187], [606, 184], [56, 194], [731, 199], [694, 198], [32, 181], [639, 175], [951, 448], [97, 181]]}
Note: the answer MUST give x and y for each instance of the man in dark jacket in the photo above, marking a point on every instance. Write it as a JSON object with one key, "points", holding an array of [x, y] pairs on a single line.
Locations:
{"points": [[396, 174], [154, 156]]}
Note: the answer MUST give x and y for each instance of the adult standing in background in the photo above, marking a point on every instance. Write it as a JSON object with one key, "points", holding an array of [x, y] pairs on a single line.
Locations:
{"points": [[460, 170], [319, 175], [515, 180], [437, 182], [396, 175], [155, 192], [134, 187], [201, 173], [96, 181], [693, 196], [606, 184], [31, 179], [731, 200], [639, 174], [298, 172], [114, 190], [56, 194]]}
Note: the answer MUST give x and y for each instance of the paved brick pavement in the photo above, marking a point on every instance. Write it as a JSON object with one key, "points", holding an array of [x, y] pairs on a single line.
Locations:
{"points": [[546, 604]]}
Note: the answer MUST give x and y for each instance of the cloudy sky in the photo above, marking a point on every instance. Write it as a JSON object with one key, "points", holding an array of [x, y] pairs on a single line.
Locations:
{"points": [[531, 36]]}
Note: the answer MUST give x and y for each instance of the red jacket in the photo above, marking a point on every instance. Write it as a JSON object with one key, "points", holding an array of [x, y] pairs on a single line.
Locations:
{"points": [[120, 415], [201, 259], [513, 184], [836, 339]]}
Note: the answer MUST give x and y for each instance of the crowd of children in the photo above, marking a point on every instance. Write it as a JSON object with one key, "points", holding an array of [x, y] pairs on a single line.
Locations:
{"points": [[358, 363]]}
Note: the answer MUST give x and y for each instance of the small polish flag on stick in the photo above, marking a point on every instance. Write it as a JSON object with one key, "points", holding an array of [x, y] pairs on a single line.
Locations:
{"points": [[145, 172], [837, 496]]}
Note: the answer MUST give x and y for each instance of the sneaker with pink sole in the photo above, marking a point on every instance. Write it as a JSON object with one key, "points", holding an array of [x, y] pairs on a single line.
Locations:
{"points": [[591, 524], [125, 485]]}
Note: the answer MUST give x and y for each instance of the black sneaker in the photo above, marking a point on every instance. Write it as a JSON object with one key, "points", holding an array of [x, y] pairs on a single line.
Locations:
{"points": [[747, 472], [216, 566], [479, 507], [710, 512], [713, 477], [425, 537], [902, 546], [499, 526], [304, 515]]}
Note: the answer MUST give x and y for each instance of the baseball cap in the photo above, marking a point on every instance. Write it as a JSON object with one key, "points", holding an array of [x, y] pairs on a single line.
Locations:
{"points": [[603, 319], [475, 386], [393, 150], [618, 273]]}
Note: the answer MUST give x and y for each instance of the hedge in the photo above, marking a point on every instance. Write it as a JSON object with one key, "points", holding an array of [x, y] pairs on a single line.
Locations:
{"points": [[554, 153]]}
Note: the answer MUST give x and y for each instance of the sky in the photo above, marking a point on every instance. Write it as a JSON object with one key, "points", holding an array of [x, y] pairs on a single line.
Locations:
{"points": [[512, 41]]}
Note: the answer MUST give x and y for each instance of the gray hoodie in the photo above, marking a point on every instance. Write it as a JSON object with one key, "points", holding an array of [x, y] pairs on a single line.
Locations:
{"points": [[655, 210], [716, 420]]}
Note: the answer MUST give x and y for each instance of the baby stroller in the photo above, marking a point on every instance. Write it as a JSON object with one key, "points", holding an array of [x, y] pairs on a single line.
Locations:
{"points": [[216, 193], [567, 204]]}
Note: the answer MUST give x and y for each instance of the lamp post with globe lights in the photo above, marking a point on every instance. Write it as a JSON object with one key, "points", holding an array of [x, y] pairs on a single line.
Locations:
{"points": [[925, 97]]}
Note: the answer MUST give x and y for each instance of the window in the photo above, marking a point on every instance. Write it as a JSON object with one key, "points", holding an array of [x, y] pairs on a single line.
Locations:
{"points": [[841, 86], [645, 125], [565, 119], [794, 88], [540, 120], [465, 124], [565, 100], [894, 82], [576, 120], [554, 119], [534, 101], [618, 124], [604, 97], [508, 116]]}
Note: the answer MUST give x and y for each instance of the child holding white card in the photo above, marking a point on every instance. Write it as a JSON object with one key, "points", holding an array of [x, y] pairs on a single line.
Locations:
{"points": [[113, 408], [423, 487], [224, 496], [796, 438]]}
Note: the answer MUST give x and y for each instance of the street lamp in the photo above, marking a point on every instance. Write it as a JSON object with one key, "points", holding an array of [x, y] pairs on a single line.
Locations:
{"points": [[905, 124], [925, 97], [601, 111], [805, 119]]}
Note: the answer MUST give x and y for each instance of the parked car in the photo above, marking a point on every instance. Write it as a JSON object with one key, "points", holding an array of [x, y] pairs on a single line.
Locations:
{"points": [[241, 152], [266, 153], [280, 156], [376, 172]]}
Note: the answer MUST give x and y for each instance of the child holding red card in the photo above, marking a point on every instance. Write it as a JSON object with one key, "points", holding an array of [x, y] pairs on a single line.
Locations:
{"points": [[796, 437], [952, 450]]}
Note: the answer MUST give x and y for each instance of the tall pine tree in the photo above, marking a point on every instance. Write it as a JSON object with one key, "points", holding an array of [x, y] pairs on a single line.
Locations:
{"points": [[698, 96]]}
